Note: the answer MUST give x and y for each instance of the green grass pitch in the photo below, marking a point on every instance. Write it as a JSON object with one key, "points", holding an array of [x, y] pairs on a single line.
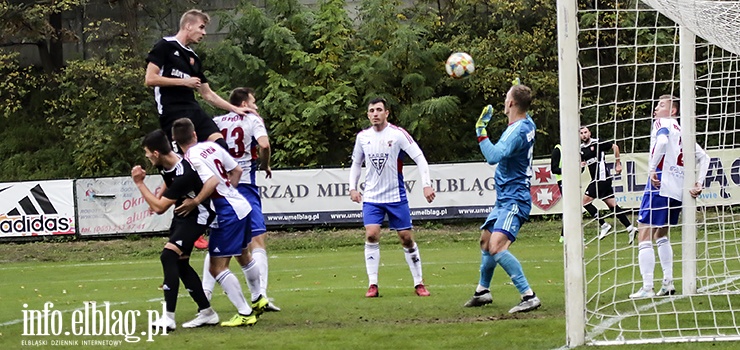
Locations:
{"points": [[317, 277]]}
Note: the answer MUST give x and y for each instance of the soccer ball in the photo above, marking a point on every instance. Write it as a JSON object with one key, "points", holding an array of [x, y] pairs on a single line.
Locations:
{"points": [[459, 65]]}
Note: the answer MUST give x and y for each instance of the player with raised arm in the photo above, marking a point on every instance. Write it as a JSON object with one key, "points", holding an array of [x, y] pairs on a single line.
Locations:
{"points": [[175, 71], [593, 157], [230, 235], [244, 134], [513, 153], [382, 148], [180, 182], [661, 203]]}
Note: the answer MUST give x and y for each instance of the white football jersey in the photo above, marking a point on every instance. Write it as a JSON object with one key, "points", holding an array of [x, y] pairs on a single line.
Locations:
{"points": [[382, 153], [241, 134], [671, 164], [210, 159]]}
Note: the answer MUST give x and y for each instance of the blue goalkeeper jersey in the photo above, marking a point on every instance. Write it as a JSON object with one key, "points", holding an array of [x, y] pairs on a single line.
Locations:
{"points": [[513, 154]]}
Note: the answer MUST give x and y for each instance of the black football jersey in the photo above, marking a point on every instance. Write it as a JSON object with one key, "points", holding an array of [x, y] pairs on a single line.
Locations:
{"points": [[175, 61], [594, 154], [183, 182]]}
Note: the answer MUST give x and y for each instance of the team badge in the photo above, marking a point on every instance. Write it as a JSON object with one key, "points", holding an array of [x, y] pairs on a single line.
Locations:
{"points": [[378, 161], [192, 61], [390, 143], [544, 188]]}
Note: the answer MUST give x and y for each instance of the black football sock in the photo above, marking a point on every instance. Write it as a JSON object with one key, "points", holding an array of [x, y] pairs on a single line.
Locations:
{"points": [[171, 278], [192, 282]]}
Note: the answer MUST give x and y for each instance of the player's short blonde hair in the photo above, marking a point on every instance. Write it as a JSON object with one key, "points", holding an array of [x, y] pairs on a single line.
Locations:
{"points": [[192, 15], [674, 102]]}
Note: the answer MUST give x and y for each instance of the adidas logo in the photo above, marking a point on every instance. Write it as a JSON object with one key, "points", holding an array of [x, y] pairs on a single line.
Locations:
{"points": [[165, 287], [179, 242], [177, 53], [216, 250], [35, 213]]}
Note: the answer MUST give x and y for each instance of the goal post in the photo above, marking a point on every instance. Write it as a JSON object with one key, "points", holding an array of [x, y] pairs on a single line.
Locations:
{"points": [[616, 58], [575, 302]]}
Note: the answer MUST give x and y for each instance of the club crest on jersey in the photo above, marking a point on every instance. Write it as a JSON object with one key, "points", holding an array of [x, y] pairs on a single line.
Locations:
{"points": [[177, 53], [192, 61], [378, 161], [390, 143]]}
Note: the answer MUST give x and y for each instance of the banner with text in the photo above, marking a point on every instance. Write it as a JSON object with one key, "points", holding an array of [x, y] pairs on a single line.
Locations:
{"points": [[114, 205], [37, 208]]}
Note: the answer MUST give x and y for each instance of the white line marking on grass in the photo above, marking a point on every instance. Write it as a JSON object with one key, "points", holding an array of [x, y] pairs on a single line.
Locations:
{"points": [[606, 324], [62, 265]]}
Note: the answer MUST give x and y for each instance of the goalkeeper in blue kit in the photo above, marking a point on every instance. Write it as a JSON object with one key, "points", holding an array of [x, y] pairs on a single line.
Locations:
{"points": [[513, 154]]}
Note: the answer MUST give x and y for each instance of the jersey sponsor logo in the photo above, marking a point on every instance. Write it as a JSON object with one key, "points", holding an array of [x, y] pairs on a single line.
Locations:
{"points": [[179, 74], [378, 160], [544, 189]]}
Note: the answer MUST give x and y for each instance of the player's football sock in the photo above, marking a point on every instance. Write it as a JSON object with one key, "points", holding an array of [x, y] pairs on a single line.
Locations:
{"points": [[233, 290], [591, 209], [413, 259], [665, 253], [514, 269], [487, 266], [192, 282], [260, 256], [221, 142], [252, 275], [646, 258], [372, 261], [171, 278], [208, 281], [622, 216]]}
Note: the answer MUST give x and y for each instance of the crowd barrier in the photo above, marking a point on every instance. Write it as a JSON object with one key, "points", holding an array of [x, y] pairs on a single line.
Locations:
{"points": [[315, 197]]}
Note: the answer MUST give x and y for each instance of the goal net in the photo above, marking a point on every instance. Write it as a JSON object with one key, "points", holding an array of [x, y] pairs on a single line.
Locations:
{"points": [[628, 54]]}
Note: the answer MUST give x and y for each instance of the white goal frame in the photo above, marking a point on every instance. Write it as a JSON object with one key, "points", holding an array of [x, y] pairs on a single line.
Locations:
{"points": [[570, 111]]}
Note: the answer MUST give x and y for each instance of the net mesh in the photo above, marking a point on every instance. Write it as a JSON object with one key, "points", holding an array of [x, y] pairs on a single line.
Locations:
{"points": [[628, 57]]}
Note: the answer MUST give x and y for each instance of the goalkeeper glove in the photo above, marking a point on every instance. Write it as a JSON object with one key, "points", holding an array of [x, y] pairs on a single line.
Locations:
{"points": [[482, 123]]}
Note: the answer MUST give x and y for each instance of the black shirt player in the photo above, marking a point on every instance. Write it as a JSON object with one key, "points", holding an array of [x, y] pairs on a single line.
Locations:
{"points": [[593, 156], [181, 182], [175, 71]]}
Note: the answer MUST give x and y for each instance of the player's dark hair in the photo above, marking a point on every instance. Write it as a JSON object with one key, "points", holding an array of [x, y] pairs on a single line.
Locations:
{"points": [[191, 15], [182, 131], [240, 95], [157, 141], [674, 102], [379, 100], [522, 96]]}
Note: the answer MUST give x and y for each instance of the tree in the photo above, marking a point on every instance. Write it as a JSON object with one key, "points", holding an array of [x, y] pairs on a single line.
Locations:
{"points": [[38, 23]]}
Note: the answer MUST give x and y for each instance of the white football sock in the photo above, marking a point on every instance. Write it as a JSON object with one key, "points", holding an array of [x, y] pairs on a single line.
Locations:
{"points": [[260, 256], [233, 290], [646, 257], [208, 281], [252, 275], [665, 253], [372, 261], [414, 260]]}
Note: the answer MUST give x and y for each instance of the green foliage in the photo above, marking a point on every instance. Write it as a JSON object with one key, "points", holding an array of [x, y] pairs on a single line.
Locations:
{"points": [[314, 69], [102, 111]]}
